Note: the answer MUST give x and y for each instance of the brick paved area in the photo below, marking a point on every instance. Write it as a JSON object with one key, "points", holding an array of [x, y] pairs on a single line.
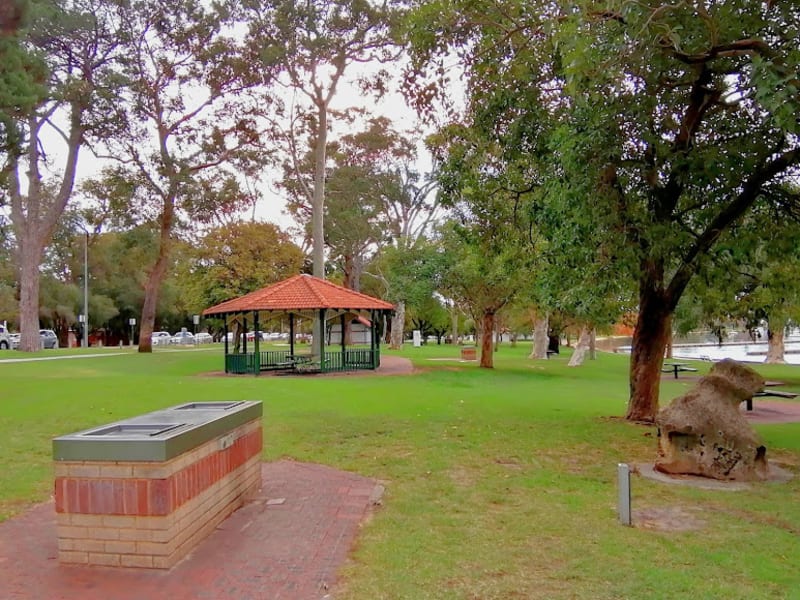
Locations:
{"points": [[265, 550]]}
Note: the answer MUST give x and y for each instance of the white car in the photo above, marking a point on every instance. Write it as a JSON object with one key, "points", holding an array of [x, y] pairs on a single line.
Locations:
{"points": [[49, 338], [160, 338], [185, 338], [203, 338]]}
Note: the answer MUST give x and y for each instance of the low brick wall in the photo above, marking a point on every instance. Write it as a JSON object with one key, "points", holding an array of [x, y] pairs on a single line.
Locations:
{"points": [[145, 514]]}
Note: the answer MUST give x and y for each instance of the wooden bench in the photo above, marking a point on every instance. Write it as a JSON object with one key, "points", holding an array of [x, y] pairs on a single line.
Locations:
{"points": [[675, 368]]}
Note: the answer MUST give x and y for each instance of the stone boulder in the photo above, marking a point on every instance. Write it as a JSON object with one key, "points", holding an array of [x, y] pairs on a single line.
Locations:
{"points": [[741, 375], [704, 432]]}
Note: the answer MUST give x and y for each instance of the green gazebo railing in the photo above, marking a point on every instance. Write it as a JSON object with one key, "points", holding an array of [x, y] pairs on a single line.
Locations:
{"points": [[351, 359]]}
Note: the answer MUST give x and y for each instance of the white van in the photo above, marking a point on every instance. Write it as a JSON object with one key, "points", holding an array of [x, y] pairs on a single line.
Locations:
{"points": [[5, 340]]}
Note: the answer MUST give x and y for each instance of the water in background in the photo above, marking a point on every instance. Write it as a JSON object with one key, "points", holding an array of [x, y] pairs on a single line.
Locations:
{"points": [[737, 349]]}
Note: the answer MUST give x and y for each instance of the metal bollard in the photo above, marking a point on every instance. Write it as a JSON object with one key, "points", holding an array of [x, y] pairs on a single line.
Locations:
{"points": [[624, 501]]}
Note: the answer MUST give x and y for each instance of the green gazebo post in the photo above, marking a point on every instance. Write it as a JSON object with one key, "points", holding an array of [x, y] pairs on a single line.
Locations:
{"points": [[256, 345]]}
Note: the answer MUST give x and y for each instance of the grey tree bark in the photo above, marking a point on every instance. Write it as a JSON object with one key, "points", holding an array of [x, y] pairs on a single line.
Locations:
{"points": [[540, 327], [776, 348], [398, 325], [581, 348]]}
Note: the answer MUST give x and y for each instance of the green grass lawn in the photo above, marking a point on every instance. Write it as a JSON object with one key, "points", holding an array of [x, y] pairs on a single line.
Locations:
{"points": [[499, 484]]}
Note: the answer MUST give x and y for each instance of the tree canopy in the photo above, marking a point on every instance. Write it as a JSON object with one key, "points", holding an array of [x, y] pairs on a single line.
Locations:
{"points": [[654, 126]]}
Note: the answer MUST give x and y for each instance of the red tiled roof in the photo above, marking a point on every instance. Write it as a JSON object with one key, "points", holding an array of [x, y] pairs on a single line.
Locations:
{"points": [[301, 292]]}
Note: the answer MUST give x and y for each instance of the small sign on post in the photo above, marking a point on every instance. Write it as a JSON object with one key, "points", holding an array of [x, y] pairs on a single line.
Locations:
{"points": [[132, 323]]}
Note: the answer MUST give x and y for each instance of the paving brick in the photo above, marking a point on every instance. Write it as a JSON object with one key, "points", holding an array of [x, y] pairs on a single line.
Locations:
{"points": [[288, 552]]}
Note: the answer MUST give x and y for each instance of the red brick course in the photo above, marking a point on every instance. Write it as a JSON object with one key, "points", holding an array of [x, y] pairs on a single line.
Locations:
{"points": [[288, 551], [152, 497]]}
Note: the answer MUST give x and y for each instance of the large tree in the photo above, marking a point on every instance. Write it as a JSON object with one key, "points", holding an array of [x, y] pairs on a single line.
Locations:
{"points": [[186, 128], [408, 277], [311, 46], [665, 125], [43, 133]]}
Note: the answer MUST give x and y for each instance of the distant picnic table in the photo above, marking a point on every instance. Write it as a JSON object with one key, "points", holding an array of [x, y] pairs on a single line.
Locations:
{"points": [[773, 393], [676, 367]]}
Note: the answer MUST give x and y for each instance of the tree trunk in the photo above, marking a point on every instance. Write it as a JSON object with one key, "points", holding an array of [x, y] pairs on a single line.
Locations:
{"points": [[650, 336], [152, 287], [34, 216], [775, 337], [487, 345], [668, 351], [30, 257], [593, 344], [540, 340], [398, 325], [454, 325], [581, 349], [318, 201]]}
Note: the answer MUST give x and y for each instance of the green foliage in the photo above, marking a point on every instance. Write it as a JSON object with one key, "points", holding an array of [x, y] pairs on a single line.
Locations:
{"points": [[231, 261], [22, 87], [409, 275], [753, 277], [430, 316]]}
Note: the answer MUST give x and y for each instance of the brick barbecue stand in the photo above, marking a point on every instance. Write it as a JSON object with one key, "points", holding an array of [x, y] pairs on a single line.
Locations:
{"points": [[151, 514]]}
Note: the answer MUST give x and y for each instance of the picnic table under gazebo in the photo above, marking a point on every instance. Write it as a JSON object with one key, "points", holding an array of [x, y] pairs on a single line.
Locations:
{"points": [[300, 297]]}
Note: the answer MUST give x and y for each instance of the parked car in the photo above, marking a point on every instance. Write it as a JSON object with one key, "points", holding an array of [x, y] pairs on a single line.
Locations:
{"points": [[183, 338], [251, 336], [14, 338], [49, 338], [5, 339], [203, 338], [229, 336], [160, 338]]}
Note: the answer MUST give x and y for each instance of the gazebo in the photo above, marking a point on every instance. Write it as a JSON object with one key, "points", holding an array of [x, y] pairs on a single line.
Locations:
{"points": [[306, 297]]}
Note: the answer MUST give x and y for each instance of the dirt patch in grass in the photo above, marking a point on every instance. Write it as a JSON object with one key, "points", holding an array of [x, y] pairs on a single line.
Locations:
{"points": [[463, 477], [667, 518]]}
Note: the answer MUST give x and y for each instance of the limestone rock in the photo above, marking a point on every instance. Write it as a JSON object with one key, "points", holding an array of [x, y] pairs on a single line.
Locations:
{"points": [[742, 376], [704, 433]]}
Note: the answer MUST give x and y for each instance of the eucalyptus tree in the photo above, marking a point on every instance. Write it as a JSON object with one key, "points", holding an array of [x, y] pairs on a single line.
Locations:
{"points": [[186, 125], [358, 183], [314, 46], [408, 277], [377, 202], [75, 43], [665, 123], [411, 211], [486, 265]]}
